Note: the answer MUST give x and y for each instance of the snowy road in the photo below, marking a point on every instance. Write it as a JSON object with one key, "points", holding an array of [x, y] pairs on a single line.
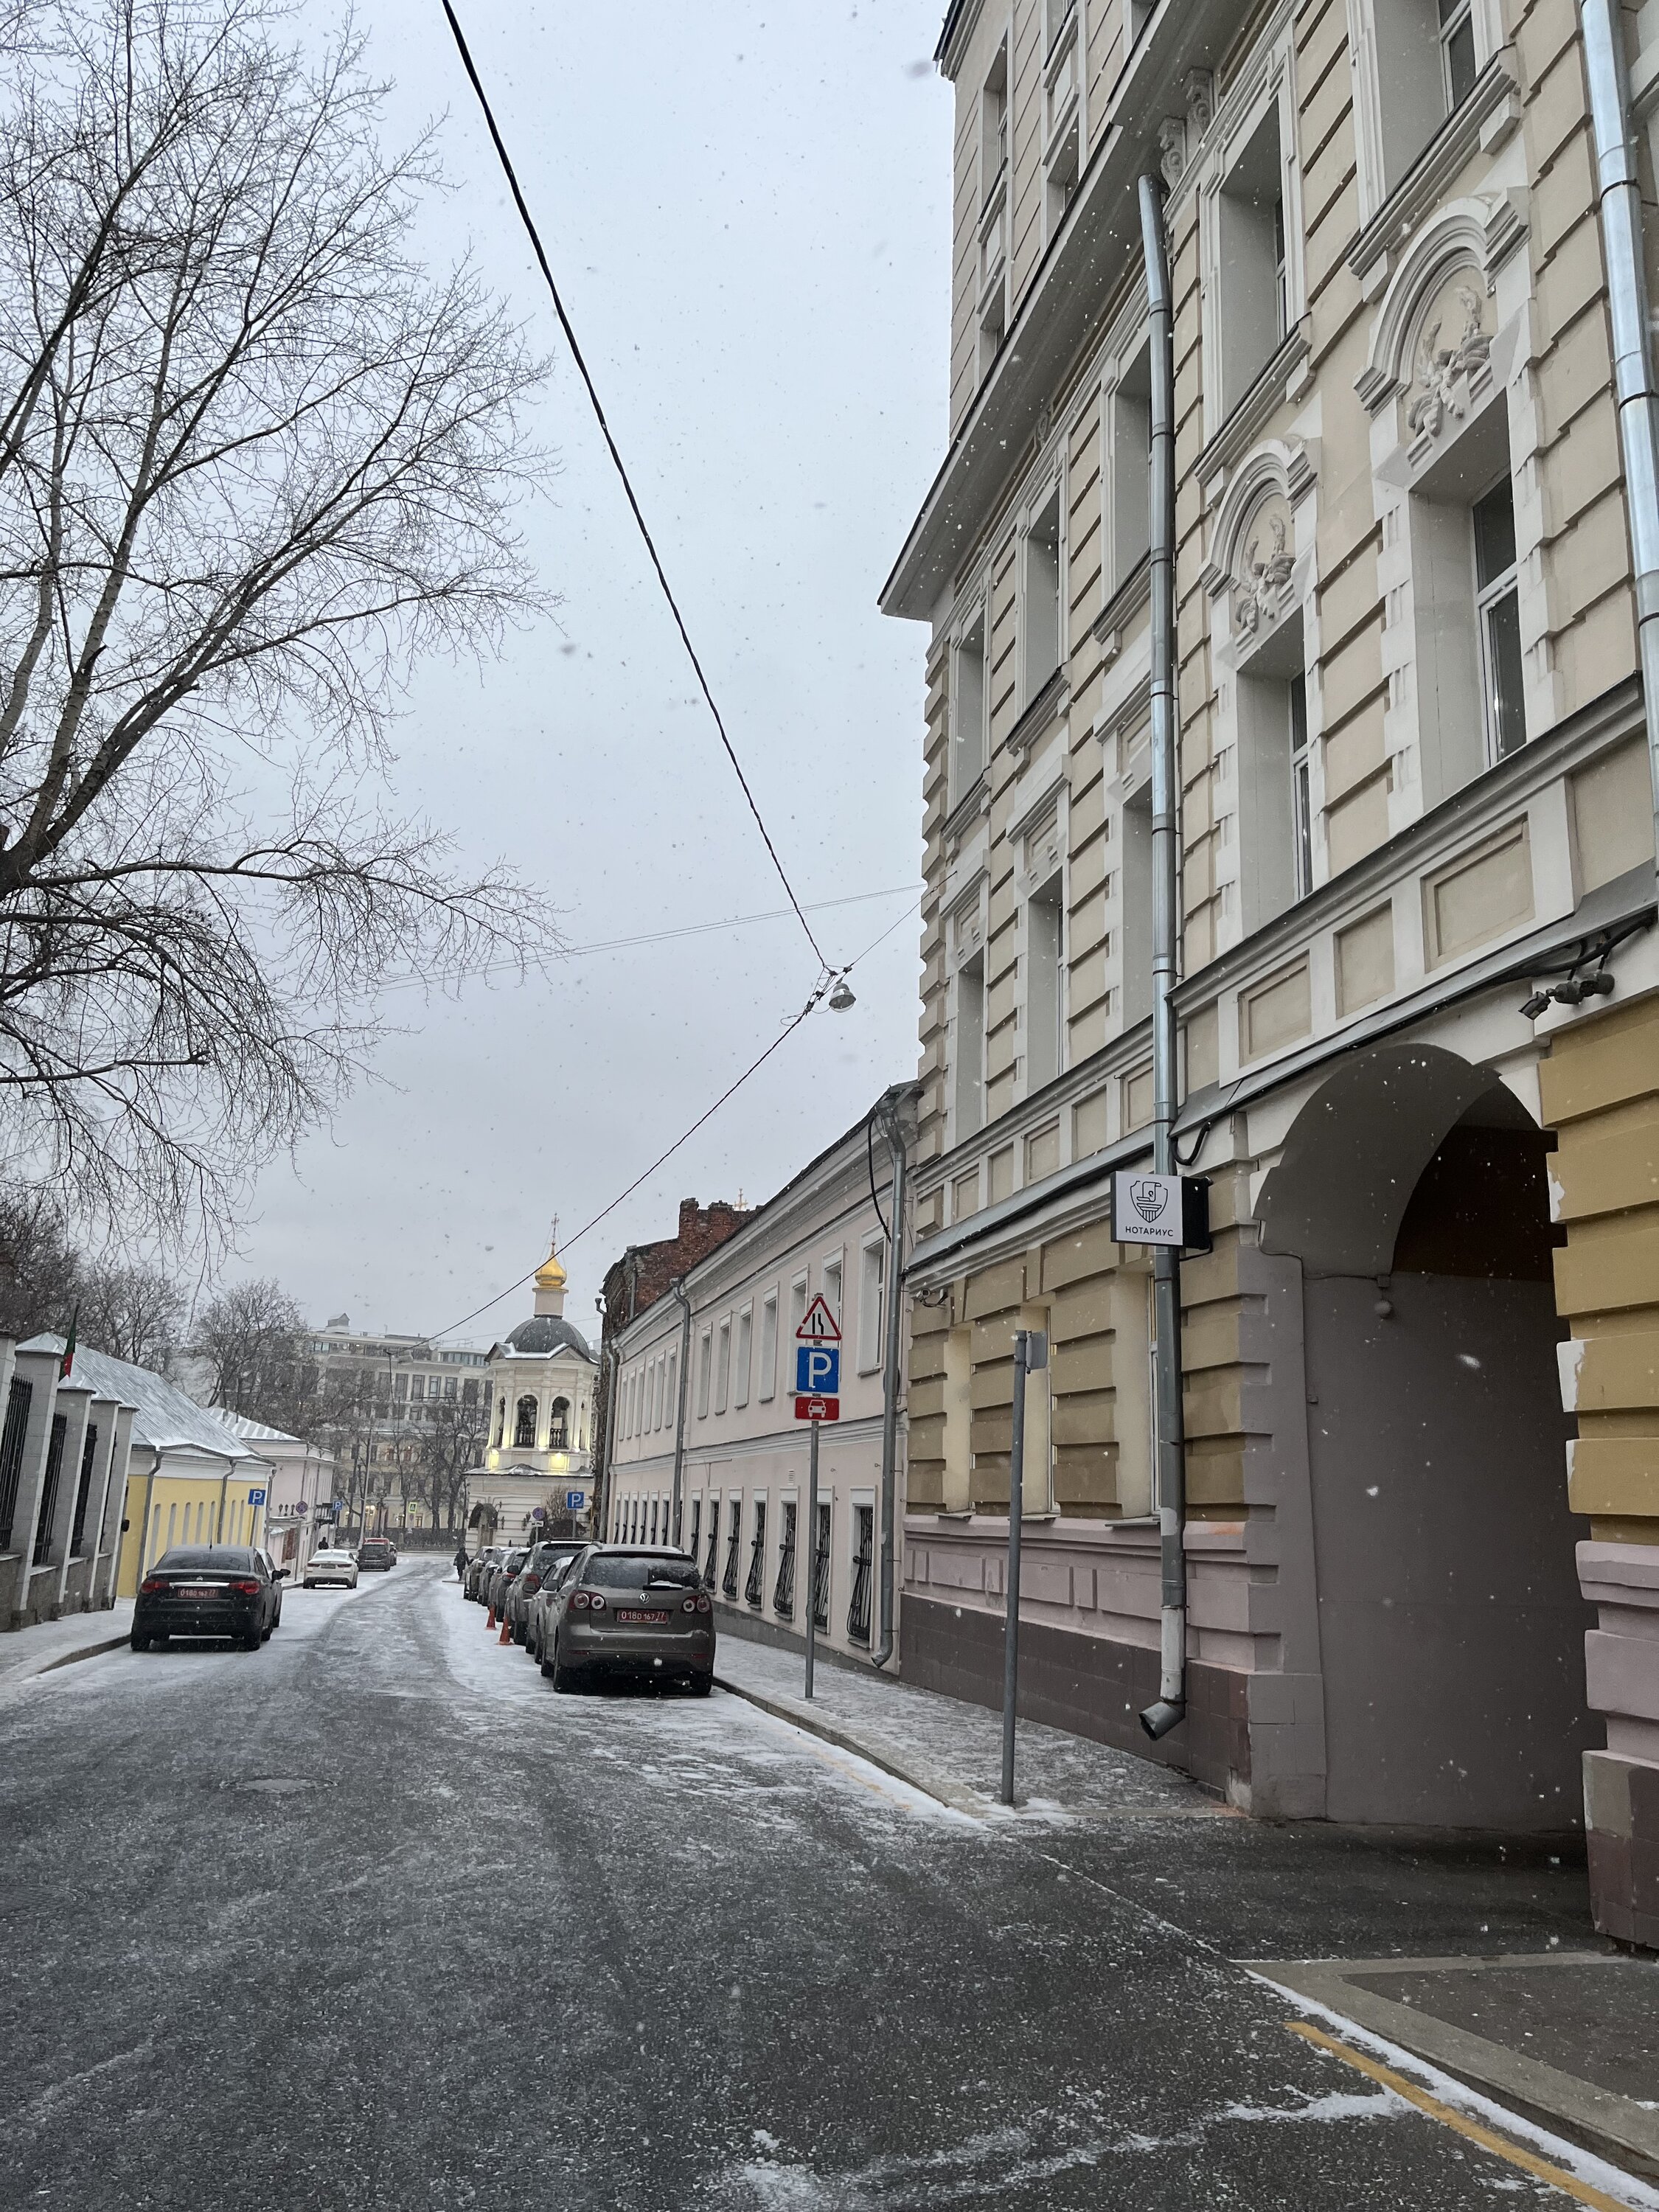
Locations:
{"points": [[374, 1919]]}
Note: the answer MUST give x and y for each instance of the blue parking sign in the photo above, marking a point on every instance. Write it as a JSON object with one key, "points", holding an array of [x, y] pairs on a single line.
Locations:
{"points": [[574, 1500], [818, 1370]]}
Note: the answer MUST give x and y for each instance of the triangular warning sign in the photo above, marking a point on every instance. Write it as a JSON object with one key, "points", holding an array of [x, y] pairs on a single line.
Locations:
{"points": [[819, 1325]]}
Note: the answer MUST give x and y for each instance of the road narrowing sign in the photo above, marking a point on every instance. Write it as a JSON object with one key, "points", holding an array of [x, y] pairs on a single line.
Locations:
{"points": [[817, 1364]]}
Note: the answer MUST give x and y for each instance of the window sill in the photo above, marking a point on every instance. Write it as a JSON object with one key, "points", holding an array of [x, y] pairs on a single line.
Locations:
{"points": [[1256, 409], [1047, 708], [1429, 175], [1125, 602], [974, 804]]}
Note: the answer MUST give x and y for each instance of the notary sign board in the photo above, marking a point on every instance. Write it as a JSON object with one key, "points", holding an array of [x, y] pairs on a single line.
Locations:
{"points": [[817, 1366], [1155, 1209]]}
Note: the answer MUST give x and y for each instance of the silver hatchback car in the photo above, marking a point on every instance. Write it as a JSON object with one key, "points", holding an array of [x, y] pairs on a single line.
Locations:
{"points": [[625, 1610]]}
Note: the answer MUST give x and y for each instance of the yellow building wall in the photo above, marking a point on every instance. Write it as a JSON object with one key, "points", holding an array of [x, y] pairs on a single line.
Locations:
{"points": [[183, 1508], [1600, 1095]]}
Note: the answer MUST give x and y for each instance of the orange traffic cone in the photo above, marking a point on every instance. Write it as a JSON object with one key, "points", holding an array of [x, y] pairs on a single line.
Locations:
{"points": [[490, 1623], [505, 1635]]}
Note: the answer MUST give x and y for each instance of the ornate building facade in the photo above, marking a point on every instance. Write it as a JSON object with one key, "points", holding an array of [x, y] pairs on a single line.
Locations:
{"points": [[537, 1466], [1417, 880]]}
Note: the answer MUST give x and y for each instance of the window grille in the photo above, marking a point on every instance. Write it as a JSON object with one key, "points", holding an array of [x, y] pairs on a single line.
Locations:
{"points": [[754, 1590], [783, 1590], [713, 1560], [653, 1521], [49, 1496], [733, 1538], [695, 1545], [83, 1491], [821, 1572], [11, 1453], [858, 1612]]}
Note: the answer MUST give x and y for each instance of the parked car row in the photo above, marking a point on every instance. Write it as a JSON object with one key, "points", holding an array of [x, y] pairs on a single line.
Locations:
{"points": [[585, 1611]]}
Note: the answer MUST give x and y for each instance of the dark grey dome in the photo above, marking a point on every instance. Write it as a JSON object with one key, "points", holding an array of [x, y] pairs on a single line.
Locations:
{"points": [[547, 1332]]}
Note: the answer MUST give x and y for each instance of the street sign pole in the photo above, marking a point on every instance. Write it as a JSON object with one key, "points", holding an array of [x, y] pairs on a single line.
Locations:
{"points": [[812, 1553], [1030, 1355]]}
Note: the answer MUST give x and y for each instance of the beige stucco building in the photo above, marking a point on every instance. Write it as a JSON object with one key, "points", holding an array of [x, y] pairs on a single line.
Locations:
{"points": [[705, 1404], [1414, 796]]}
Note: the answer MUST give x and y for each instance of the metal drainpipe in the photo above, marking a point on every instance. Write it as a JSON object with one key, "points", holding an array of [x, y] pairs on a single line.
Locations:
{"points": [[677, 1286], [1619, 198], [1171, 1705], [894, 1131]]}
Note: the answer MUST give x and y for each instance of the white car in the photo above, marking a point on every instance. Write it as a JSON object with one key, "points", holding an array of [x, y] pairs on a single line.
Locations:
{"points": [[332, 1567]]}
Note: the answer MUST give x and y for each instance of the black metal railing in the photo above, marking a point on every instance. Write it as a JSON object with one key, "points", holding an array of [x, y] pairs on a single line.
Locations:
{"points": [[713, 1560], [783, 1590], [821, 1572], [755, 1588], [83, 1491], [734, 1537], [11, 1453], [858, 1612], [49, 1494], [695, 1545]]}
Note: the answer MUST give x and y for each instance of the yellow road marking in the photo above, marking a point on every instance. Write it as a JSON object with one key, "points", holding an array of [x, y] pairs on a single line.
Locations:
{"points": [[1540, 2168]]}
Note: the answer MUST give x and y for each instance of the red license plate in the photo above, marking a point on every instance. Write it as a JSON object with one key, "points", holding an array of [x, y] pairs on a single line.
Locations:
{"points": [[654, 1619], [198, 1589]]}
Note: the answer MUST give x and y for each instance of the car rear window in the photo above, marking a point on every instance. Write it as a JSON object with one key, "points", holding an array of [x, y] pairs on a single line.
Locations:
{"points": [[608, 1571], [221, 1560], [517, 1558]]}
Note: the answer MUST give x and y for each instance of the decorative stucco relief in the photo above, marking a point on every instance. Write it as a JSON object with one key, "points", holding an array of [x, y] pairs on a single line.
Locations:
{"points": [[1265, 567], [1451, 372]]}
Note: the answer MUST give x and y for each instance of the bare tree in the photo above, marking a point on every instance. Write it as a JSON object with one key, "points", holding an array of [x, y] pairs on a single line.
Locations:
{"points": [[450, 1449], [132, 1312], [41, 1274], [254, 1337], [253, 460]]}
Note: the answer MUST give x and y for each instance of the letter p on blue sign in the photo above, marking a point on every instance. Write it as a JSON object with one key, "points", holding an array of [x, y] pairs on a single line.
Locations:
{"points": [[818, 1370]]}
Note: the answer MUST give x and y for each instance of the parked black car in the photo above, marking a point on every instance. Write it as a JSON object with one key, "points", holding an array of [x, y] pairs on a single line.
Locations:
{"points": [[217, 1589], [376, 1551]]}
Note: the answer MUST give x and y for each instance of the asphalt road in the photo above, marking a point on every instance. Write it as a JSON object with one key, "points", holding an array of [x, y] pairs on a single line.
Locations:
{"points": [[372, 1919]]}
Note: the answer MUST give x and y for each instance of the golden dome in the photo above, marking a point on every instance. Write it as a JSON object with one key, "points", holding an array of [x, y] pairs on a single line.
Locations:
{"points": [[551, 1276]]}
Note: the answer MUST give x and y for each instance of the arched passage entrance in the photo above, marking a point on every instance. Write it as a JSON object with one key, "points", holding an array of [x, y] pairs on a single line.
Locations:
{"points": [[1412, 1188]]}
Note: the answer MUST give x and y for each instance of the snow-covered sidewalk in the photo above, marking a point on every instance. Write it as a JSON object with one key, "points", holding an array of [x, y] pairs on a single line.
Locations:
{"points": [[950, 1749], [36, 1650]]}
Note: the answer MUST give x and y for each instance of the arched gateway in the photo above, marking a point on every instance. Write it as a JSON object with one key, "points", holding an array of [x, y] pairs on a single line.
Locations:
{"points": [[1411, 1190]]}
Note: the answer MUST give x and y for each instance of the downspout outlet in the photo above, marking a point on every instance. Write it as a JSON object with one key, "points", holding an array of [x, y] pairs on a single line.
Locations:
{"points": [[1167, 1713]]}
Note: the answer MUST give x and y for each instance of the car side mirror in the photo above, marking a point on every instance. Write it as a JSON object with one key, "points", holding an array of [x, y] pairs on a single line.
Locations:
{"points": [[281, 1575]]}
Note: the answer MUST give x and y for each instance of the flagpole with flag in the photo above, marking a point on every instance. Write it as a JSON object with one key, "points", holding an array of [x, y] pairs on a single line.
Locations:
{"points": [[66, 1364]]}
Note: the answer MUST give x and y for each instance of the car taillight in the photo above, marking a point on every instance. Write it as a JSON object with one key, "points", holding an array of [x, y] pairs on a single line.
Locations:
{"points": [[151, 1583], [705, 1604], [246, 1590], [688, 1605], [597, 1601], [579, 1601]]}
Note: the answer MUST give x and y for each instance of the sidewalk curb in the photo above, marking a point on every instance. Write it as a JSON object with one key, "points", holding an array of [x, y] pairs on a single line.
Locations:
{"points": [[12, 1678], [940, 1787], [1597, 2119]]}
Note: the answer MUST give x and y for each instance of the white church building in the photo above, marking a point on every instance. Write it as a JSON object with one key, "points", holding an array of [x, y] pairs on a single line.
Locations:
{"points": [[536, 1472]]}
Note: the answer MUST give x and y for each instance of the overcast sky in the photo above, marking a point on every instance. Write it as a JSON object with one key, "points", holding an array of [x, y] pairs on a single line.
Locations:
{"points": [[747, 209]]}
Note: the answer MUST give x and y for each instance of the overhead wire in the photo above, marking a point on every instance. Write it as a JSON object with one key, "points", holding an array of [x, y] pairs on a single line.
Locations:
{"points": [[528, 221], [818, 993]]}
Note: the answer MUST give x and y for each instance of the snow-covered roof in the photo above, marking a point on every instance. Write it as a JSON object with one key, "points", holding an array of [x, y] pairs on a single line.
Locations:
{"points": [[165, 1420], [253, 1431]]}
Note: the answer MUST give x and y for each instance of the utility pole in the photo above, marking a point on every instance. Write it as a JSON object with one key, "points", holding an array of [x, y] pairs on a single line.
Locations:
{"points": [[1031, 1357]]}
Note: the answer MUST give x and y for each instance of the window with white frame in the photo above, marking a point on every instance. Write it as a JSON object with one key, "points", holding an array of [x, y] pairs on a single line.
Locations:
{"points": [[832, 1288], [872, 1271], [1252, 281], [745, 1352], [1044, 612], [705, 1371], [1045, 947], [969, 749], [968, 1046], [1275, 836], [670, 1407], [994, 125], [797, 1307], [723, 1365], [1129, 438], [1428, 58], [1300, 785], [769, 1348], [1497, 597]]}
